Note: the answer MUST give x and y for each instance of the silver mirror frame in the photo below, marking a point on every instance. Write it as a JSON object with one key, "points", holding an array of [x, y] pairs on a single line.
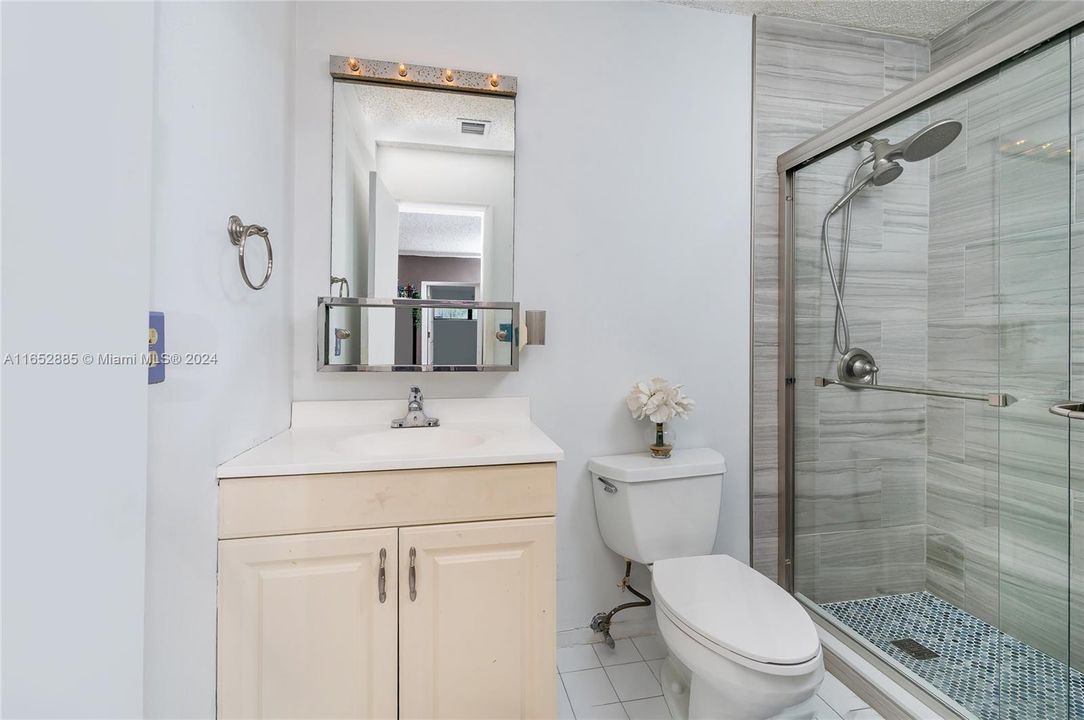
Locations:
{"points": [[323, 326], [363, 70]]}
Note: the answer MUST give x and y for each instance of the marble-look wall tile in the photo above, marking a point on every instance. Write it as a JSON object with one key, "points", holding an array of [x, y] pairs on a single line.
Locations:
{"points": [[946, 428], [1035, 187], [905, 62], [857, 424], [982, 425], [986, 24], [999, 277], [866, 563], [963, 354], [1034, 101], [960, 496], [808, 77], [1034, 563], [978, 513], [766, 555], [904, 345], [946, 556], [903, 491], [806, 565], [1033, 354], [982, 596], [1076, 577], [1076, 388], [836, 496], [962, 568], [1026, 284], [799, 60]]}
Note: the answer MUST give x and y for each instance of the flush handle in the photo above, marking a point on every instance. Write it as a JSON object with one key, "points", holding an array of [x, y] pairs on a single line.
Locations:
{"points": [[382, 579], [413, 576], [608, 486]]}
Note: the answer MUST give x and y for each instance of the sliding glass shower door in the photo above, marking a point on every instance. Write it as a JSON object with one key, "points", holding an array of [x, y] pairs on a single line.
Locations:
{"points": [[938, 502]]}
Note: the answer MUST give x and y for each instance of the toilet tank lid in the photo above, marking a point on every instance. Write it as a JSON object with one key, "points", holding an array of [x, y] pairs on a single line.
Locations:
{"points": [[641, 467]]}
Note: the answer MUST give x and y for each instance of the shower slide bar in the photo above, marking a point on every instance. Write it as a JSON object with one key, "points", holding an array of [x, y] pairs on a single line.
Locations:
{"points": [[998, 400]]}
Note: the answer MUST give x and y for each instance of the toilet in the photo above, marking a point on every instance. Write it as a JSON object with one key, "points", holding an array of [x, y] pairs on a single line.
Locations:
{"points": [[739, 645]]}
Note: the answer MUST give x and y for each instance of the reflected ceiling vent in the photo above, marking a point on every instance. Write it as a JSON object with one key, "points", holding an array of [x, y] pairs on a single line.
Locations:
{"points": [[474, 127]]}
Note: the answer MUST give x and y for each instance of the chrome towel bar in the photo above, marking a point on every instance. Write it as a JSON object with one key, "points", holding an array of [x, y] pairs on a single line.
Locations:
{"points": [[239, 233], [1070, 409], [993, 399]]}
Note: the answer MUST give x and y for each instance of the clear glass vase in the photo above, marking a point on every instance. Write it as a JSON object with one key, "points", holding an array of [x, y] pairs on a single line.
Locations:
{"points": [[660, 440]]}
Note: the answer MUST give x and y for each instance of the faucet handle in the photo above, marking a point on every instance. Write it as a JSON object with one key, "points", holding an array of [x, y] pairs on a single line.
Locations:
{"points": [[415, 392]]}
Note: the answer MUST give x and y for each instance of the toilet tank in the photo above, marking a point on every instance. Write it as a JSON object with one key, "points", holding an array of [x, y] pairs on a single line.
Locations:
{"points": [[650, 509]]}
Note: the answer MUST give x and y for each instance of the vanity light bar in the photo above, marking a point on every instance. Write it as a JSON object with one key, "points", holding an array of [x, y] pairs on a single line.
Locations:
{"points": [[347, 67]]}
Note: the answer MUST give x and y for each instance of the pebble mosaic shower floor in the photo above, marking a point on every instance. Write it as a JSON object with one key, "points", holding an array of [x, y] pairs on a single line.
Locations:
{"points": [[1025, 685]]}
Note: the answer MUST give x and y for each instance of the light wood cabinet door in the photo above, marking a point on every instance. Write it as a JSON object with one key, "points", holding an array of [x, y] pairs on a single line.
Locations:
{"points": [[477, 635], [302, 630]]}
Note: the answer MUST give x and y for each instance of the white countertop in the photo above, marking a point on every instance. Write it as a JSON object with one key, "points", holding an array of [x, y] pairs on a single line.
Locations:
{"points": [[355, 436]]}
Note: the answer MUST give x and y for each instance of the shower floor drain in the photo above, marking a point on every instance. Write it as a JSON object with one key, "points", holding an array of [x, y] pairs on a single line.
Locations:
{"points": [[915, 649]]}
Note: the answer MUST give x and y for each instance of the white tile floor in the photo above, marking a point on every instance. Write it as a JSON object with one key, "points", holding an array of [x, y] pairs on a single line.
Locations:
{"points": [[597, 683]]}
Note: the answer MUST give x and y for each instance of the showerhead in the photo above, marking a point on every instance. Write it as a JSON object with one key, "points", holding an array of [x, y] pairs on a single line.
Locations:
{"points": [[930, 140], [925, 143], [885, 171]]}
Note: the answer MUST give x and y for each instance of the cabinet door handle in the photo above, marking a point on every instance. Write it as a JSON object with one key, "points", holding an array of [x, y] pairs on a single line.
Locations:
{"points": [[413, 575], [381, 581]]}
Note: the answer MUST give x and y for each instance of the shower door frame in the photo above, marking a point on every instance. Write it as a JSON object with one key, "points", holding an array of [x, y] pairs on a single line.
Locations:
{"points": [[953, 77]]}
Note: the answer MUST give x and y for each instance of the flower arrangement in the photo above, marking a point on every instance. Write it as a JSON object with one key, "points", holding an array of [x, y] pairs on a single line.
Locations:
{"points": [[659, 401]]}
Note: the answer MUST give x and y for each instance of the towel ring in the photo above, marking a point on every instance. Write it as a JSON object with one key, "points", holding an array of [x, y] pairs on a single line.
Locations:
{"points": [[344, 285], [239, 233]]}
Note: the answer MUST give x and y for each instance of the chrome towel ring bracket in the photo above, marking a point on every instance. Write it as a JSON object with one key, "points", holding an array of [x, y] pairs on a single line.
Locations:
{"points": [[239, 233]]}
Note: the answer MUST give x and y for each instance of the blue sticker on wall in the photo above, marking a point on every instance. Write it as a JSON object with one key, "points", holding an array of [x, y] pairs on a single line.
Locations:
{"points": [[156, 346]]}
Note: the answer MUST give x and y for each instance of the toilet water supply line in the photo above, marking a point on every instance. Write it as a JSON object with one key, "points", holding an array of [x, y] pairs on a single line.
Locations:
{"points": [[600, 623]]}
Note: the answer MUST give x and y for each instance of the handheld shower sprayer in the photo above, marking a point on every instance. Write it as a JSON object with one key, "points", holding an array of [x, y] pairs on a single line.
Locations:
{"points": [[857, 365]]}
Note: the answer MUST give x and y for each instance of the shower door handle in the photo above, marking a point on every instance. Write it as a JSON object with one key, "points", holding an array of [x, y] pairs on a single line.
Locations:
{"points": [[1069, 409]]}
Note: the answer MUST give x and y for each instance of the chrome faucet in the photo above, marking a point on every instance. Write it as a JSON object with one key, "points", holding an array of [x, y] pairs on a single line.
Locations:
{"points": [[415, 416]]}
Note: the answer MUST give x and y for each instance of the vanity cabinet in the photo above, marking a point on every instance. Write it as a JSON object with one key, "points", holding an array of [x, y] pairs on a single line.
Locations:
{"points": [[429, 604], [302, 629], [475, 636]]}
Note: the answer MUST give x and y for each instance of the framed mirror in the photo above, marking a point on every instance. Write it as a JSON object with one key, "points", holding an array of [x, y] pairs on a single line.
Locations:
{"points": [[422, 206]]}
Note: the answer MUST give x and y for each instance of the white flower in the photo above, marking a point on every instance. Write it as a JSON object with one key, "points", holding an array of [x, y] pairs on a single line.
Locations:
{"points": [[658, 401]]}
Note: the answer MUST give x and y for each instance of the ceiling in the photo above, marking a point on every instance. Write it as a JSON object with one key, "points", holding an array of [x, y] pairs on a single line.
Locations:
{"points": [[440, 234], [389, 115], [912, 18]]}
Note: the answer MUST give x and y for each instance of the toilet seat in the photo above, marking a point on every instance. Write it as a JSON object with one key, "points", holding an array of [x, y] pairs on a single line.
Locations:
{"points": [[736, 612]]}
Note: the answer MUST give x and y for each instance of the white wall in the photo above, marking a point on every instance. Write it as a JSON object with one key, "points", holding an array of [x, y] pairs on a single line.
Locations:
{"points": [[383, 270], [223, 145], [77, 97], [632, 203], [462, 178]]}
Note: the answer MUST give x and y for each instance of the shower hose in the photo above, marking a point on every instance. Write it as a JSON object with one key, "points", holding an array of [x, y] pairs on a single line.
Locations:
{"points": [[841, 332]]}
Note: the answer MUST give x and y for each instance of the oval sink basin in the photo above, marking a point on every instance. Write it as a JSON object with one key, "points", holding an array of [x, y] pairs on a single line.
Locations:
{"points": [[407, 442]]}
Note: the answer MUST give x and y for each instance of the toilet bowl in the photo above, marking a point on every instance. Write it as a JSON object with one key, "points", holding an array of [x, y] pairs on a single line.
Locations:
{"points": [[740, 646], [744, 648]]}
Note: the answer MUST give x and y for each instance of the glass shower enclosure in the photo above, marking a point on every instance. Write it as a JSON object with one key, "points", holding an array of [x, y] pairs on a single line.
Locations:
{"points": [[934, 462]]}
